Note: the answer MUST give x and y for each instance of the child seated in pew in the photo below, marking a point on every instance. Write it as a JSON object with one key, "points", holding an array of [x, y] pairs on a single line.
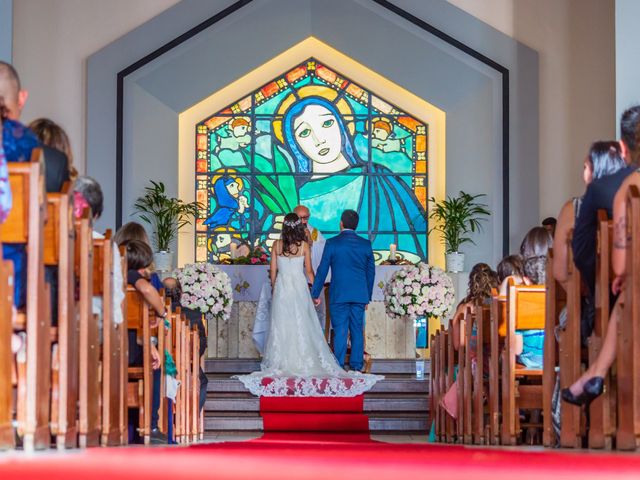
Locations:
{"points": [[482, 279], [135, 231], [139, 260], [173, 291], [511, 267]]}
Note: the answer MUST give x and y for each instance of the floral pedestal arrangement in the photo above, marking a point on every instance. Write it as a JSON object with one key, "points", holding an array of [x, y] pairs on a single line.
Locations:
{"points": [[419, 293]]}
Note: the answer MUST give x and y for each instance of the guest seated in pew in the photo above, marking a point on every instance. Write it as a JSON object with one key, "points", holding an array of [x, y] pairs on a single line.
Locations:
{"points": [[18, 142], [173, 290], [590, 385], [54, 137], [482, 279], [139, 260], [599, 196], [550, 224], [135, 231], [87, 192], [534, 250], [511, 267], [604, 158]]}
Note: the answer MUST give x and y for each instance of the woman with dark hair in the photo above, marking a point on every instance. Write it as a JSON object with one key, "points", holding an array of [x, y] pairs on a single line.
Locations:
{"points": [[511, 267], [53, 135], [482, 279], [296, 356], [534, 250]]}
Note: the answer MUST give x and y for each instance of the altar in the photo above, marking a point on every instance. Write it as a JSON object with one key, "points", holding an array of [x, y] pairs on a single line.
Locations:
{"points": [[385, 337]]}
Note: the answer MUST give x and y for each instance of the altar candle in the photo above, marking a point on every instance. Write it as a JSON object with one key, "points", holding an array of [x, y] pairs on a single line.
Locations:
{"points": [[392, 251], [234, 249]]}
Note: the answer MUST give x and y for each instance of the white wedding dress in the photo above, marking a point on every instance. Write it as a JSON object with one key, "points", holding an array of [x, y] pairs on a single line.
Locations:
{"points": [[297, 360]]}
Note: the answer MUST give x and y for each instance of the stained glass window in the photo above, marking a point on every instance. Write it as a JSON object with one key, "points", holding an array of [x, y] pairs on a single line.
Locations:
{"points": [[311, 137]]}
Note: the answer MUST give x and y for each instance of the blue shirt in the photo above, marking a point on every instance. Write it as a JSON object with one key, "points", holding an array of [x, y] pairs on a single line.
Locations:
{"points": [[18, 143]]}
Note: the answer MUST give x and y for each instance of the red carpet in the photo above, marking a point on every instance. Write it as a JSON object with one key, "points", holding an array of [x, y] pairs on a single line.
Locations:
{"points": [[320, 460], [312, 415]]}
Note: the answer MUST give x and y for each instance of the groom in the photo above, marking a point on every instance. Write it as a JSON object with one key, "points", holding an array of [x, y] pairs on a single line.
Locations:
{"points": [[350, 258]]}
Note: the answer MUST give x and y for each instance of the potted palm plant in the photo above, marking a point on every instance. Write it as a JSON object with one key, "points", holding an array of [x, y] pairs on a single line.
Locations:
{"points": [[456, 218], [166, 216]]}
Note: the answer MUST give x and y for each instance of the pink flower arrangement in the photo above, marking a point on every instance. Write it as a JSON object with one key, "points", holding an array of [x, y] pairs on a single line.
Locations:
{"points": [[206, 288], [419, 291]]}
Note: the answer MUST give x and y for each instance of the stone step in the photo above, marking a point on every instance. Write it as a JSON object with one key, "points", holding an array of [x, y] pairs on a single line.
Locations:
{"points": [[388, 385], [371, 404], [240, 366], [405, 424]]}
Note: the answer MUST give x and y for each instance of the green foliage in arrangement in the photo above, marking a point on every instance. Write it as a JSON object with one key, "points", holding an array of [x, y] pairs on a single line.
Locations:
{"points": [[458, 217], [166, 215]]}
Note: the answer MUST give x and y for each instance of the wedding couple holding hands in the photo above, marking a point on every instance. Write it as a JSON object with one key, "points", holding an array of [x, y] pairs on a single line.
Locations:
{"points": [[296, 358]]}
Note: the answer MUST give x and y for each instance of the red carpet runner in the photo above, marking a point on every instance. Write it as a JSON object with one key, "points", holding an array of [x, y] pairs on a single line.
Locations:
{"points": [[314, 416]]}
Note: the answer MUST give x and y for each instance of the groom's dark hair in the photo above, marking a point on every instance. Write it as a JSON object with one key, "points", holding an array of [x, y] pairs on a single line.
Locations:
{"points": [[350, 219]]}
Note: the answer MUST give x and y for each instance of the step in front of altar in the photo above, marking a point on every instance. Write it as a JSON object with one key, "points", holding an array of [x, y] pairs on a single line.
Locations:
{"points": [[397, 404]]}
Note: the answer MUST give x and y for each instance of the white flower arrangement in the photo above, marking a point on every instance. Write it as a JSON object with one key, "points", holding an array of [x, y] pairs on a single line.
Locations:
{"points": [[419, 291], [206, 288]]}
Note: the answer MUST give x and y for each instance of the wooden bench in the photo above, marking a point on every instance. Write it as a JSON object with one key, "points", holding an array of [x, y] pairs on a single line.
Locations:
{"points": [[103, 285], [89, 406], [24, 226], [123, 408], [556, 301], [570, 354], [525, 311], [59, 245], [602, 413], [628, 349], [140, 377], [497, 332], [7, 437]]}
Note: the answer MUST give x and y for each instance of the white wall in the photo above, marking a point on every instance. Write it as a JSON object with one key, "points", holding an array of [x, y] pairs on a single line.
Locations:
{"points": [[627, 55], [576, 48], [51, 42], [575, 40]]}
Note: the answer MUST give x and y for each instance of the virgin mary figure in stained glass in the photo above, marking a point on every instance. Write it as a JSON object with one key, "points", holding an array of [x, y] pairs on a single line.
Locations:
{"points": [[313, 131]]}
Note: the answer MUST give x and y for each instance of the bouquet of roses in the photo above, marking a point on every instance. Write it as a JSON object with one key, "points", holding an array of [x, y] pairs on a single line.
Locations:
{"points": [[419, 291], [207, 289]]}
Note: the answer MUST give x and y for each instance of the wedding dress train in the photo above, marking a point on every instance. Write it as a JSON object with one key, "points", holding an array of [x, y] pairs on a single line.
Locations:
{"points": [[297, 360]]}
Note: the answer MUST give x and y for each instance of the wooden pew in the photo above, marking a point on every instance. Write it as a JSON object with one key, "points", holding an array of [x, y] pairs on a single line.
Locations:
{"points": [[556, 301], [195, 383], [123, 408], [602, 410], [434, 398], [628, 349], [59, 245], [451, 359], [140, 377], [569, 355], [103, 285], [525, 311], [89, 415], [482, 319], [463, 434], [202, 365], [7, 437], [497, 332], [25, 225]]}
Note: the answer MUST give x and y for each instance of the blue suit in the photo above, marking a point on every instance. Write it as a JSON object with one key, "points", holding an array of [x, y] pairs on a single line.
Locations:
{"points": [[350, 258]]}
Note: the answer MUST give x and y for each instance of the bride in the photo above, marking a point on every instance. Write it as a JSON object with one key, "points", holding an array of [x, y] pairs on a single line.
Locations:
{"points": [[297, 360]]}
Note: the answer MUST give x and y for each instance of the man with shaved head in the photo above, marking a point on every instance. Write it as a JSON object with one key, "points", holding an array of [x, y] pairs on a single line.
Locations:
{"points": [[316, 241], [18, 143]]}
